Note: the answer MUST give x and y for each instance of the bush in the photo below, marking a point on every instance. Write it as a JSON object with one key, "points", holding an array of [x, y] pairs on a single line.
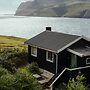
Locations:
{"points": [[7, 82], [6, 79], [25, 80], [21, 80], [77, 83], [12, 58], [3, 71], [34, 68]]}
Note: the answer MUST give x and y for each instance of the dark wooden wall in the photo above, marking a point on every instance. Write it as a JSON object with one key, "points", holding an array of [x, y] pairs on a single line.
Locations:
{"points": [[81, 61], [81, 43], [64, 58], [41, 60]]}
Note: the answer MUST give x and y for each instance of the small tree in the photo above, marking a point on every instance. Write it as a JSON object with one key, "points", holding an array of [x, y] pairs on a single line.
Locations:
{"points": [[77, 83], [34, 68]]}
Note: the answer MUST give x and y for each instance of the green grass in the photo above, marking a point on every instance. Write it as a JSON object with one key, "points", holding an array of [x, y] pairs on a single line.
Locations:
{"points": [[11, 41]]}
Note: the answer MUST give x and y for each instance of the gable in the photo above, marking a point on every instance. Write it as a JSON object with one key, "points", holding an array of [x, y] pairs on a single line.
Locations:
{"points": [[80, 48]]}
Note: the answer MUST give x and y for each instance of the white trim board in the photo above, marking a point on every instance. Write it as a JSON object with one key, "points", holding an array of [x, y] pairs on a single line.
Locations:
{"points": [[58, 77], [74, 52], [42, 48]]}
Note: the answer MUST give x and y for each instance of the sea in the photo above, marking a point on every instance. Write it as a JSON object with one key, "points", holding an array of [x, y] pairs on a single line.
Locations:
{"points": [[28, 27]]}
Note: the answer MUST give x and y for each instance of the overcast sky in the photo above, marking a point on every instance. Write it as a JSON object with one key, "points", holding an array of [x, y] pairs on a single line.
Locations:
{"points": [[9, 5]]}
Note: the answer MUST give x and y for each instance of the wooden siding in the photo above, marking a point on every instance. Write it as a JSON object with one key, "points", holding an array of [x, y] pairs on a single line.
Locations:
{"points": [[63, 60], [82, 61], [81, 43], [41, 60]]}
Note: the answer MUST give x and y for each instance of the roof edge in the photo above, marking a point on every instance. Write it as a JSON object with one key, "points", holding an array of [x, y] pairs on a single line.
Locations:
{"points": [[74, 52], [85, 38], [79, 38], [43, 48]]}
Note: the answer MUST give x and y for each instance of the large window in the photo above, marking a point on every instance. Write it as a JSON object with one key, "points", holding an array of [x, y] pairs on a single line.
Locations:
{"points": [[49, 56], [34, 51], [87, 60]]}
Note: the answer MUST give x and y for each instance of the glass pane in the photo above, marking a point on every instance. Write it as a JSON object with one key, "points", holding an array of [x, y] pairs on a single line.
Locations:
{"points": [[34, 51], [88, 60], [50, 56]]}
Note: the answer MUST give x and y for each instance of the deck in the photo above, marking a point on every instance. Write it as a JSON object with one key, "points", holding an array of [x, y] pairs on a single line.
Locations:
{"points": [[44, 77]]}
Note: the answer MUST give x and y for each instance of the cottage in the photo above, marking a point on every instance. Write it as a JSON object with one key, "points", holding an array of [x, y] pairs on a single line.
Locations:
{"points": [[57, 52]]}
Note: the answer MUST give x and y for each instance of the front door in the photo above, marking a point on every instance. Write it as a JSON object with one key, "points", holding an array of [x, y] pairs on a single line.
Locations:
{"points": [[73, 61]]}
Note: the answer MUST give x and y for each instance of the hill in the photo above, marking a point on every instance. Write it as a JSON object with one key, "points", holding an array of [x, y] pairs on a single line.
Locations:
{"points": [[11, 41], [55, 8]]}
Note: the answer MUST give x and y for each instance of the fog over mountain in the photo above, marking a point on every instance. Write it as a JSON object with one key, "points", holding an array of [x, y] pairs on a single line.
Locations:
{"points": [[54, 8]]}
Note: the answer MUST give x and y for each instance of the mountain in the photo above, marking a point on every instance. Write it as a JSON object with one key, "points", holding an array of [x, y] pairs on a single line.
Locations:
{"points": [[55, 8]]}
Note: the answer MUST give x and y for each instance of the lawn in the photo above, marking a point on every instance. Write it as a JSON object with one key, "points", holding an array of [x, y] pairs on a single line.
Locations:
{"points": [[11, 41]]}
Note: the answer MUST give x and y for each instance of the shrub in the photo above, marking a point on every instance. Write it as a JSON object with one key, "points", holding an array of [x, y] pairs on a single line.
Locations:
{"points": [[77, 83], [6, 79], [12, 58], [21, 80], [25, 80], [34, 68], [6, 82], [3, 71]]}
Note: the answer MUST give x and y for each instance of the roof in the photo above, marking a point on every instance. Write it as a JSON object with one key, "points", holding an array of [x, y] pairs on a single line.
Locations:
{"points": [[52, 41], [82, 52]]}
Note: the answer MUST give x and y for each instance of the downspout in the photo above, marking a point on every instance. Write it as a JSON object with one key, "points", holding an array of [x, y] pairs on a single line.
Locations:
{"points": [[56, 63], [51, 87]]}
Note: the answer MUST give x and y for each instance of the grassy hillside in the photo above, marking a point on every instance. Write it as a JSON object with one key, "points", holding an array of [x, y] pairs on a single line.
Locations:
{"points": [[11, 41]]}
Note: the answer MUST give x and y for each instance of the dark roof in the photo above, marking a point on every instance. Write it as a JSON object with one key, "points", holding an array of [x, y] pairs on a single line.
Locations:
{"points": [[51, 40]]}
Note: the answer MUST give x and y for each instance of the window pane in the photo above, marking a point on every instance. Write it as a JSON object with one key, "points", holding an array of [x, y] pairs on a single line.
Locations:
{"points": [[88, 60], [34, 51], [50, 56]]}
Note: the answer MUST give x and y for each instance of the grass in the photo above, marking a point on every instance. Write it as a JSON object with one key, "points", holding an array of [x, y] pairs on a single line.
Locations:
{"points": [[11, 41]]}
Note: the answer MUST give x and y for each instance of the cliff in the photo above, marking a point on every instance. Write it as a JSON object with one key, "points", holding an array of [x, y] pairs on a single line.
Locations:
{"points": [[54, 8]]}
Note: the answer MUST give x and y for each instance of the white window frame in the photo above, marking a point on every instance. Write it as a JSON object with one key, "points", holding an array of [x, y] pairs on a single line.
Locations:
{"points": [[49, 59], [35, 55], [87, 60]]}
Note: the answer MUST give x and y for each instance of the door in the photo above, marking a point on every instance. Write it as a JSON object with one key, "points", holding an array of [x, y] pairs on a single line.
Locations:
{"points": [[73, 61]]}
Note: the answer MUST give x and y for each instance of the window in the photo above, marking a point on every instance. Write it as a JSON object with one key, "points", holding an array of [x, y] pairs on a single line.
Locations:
{"points": [[34, 51], [87, 60], [49, 56]]}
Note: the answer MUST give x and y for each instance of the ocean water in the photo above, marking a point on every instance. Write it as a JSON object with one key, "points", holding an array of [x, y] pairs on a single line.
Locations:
{"points": [[28, 27]]}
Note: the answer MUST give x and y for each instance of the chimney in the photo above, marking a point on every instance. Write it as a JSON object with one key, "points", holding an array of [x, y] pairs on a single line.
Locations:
{"points": [[48, 28]]}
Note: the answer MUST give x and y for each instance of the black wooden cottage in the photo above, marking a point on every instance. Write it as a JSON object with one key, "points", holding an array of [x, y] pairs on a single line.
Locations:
{"points": [[54, 51]]}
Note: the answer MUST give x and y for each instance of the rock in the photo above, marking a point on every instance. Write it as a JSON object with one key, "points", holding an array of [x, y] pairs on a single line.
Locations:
{"points": [[55, 8]]}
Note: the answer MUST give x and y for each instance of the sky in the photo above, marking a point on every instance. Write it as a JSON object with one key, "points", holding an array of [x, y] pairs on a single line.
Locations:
{"points": [[9, 5]]}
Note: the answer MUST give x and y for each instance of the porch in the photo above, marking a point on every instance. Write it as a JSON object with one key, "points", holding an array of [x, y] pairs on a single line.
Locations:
{"points": [[44, 77]]}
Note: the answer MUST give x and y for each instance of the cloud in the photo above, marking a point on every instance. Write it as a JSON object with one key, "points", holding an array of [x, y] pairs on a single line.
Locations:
{"points": [[27, 0]]}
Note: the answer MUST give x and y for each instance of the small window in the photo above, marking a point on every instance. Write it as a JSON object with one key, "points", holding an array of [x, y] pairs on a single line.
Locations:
{"points": [[34, 51], [88, 61], [50, 56]]}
